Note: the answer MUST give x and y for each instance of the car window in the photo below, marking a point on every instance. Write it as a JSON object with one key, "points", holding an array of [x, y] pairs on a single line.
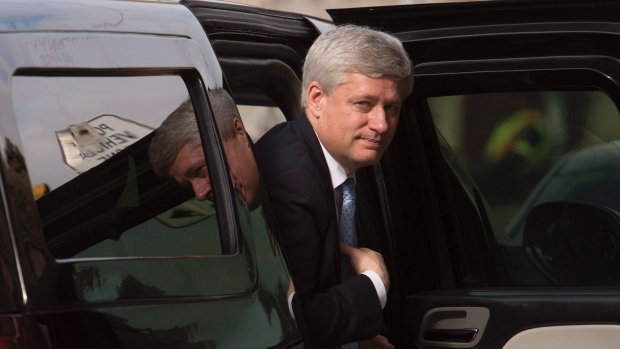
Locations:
{"points": [[119, 231], [86, 143], [126, 256], [527, 148]]}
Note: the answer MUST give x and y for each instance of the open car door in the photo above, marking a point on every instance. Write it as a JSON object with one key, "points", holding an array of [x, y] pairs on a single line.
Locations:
{"points": [[496, 204]]}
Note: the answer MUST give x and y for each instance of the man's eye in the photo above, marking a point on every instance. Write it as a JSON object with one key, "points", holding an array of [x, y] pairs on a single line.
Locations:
{"points": [[363, 106], [201, 171]]}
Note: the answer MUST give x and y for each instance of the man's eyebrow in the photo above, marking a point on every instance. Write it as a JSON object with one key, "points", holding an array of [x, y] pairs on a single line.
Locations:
{"points": [[363, 95], [396, 101]]}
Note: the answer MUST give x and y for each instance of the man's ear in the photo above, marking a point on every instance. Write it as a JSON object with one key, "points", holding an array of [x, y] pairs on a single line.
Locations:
{"points": [[314, 99], [239, 129]]}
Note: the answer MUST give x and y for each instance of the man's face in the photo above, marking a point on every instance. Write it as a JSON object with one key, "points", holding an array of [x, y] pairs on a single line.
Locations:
{"points": [[357, 121], [190, 170]]}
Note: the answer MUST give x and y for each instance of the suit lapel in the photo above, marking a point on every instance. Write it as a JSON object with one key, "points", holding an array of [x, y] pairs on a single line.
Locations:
{"points": [[304, 130]]}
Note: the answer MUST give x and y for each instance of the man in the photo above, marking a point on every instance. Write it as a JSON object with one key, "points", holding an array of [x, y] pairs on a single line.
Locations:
{"points": [[176, 150], [354, 82]]}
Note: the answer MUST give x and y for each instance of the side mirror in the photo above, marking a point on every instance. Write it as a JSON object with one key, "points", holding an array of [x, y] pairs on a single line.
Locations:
{"points": [[574, 243]]}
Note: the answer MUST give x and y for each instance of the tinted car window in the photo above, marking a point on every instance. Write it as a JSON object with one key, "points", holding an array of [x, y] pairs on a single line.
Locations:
{"points": [[64, 102], [110, 254], [526, 148], [118, 231], [86, 142]]}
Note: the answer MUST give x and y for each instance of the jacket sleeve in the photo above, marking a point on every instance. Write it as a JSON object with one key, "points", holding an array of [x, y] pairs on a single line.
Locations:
{"points": [[343, 313]]}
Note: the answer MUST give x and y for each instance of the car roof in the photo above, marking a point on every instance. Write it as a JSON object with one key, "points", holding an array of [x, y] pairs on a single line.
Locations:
{"points": [[417, 17], [168, 17]]}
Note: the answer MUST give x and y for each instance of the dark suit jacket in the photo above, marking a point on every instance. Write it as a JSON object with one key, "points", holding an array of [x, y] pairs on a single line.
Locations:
{"points": [[299, 187]]}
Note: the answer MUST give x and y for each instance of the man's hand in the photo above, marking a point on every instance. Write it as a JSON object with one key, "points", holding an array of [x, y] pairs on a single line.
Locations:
{"points": [[363, 259], [379, 342]]}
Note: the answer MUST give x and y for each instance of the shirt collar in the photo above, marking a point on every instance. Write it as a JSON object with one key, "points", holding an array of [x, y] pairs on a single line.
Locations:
{"points": [[336, 171]]}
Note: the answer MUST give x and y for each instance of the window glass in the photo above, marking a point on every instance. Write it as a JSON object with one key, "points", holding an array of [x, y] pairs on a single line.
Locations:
{"points": [[527, 148], [48, 107], [87, 144], [124, 233]]}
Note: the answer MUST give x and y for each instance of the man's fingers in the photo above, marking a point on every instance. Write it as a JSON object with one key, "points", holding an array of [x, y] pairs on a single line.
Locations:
{"points": [[347, 250], [383, 343], [364, 259], [369, 252], [352, 252]]}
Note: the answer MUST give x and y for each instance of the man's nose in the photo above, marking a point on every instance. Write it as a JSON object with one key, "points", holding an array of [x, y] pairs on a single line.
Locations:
{"points": [[202, 189], [377, 120]]}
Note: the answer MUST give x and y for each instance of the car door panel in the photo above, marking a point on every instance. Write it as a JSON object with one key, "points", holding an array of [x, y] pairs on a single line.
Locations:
{"points": [[103, 262], [600, 336], [479, 58], [512, 312]]}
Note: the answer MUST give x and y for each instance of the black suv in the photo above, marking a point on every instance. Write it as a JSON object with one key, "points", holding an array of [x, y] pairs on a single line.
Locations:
{"points": [[495, 207]]}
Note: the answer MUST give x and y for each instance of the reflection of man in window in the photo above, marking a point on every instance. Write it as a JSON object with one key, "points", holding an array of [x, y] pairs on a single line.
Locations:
{"points": [[176, 150]]}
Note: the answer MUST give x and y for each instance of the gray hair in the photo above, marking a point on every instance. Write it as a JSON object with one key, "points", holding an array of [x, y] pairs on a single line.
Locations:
{"points": [[180, 128], [355, 49]]}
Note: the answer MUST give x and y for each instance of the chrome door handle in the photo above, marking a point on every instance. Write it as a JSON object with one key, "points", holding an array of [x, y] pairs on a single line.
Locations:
{"points": [[453, 327], [465, 335]]}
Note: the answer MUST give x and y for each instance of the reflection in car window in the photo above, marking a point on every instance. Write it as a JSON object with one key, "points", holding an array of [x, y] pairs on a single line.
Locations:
{"points": [[69, 103], [87, 142], [526, 148]]}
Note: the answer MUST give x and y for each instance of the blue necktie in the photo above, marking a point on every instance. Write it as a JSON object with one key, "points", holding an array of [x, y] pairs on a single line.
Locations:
{"points": [[347, 217], [347, 230]]}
